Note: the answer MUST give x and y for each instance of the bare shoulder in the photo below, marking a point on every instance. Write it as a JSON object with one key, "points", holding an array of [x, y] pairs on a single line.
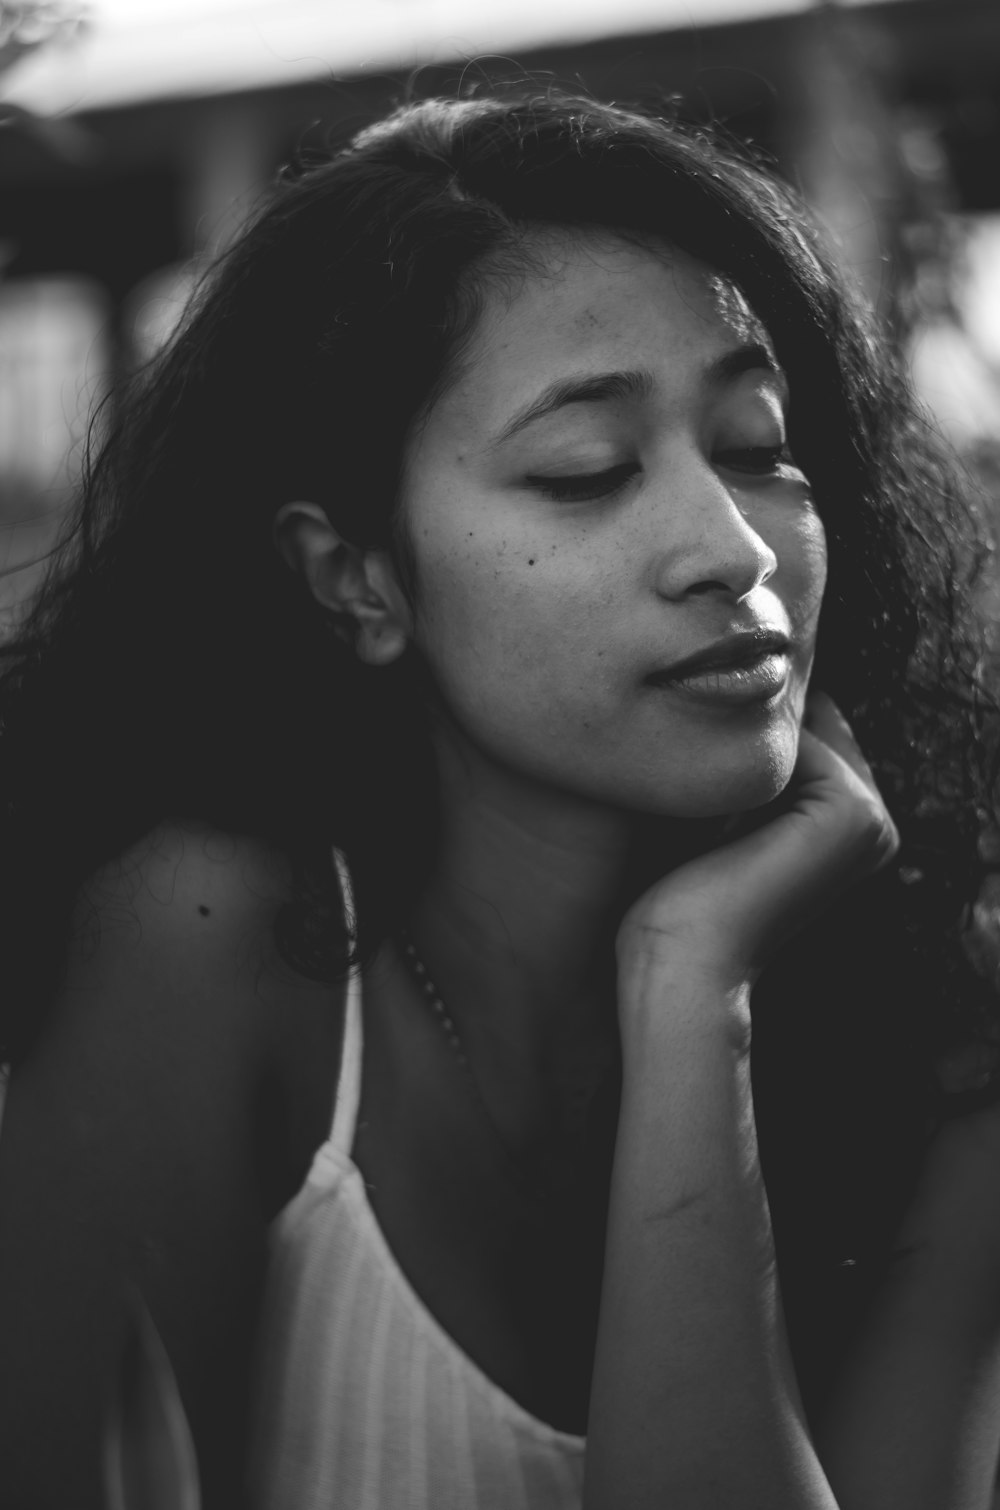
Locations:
{"points": [[183, 883], [190, 912], [170, 1105], [173, 972]]}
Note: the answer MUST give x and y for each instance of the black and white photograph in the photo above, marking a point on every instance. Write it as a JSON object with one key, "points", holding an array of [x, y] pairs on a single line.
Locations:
{"points": [[499, 755]]}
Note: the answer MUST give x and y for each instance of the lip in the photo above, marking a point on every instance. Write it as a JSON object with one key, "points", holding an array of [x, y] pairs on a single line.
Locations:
{"points": [[729, 653], [749, 666]]}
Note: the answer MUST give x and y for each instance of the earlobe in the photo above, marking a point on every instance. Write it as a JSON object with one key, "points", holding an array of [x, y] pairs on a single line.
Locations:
{"points": [[382, 613], [358, 587]]}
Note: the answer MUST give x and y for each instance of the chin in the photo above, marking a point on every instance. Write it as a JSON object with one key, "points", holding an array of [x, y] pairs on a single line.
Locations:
{"points": [[739, 787]]}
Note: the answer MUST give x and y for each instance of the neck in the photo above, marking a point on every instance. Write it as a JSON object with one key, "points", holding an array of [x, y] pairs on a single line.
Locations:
{"points": [[517, 920]]}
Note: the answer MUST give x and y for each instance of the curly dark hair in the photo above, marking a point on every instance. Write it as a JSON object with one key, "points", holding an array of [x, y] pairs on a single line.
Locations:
{"points": [[173, 666]]}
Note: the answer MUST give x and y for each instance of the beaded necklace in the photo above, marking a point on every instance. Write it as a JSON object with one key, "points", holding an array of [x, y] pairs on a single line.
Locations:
{"points": [[432, 996], [528, 1180]]}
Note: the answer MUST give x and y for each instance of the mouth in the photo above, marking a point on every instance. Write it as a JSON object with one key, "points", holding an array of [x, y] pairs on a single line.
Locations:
{"points": [[750, 666]]}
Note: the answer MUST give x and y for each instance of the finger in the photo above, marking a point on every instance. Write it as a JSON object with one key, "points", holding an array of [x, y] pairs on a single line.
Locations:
{"points": [[830, 738], [824, 720]]}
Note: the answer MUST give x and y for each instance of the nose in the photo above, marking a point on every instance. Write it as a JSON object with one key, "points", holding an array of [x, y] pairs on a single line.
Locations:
{"points": [[706, 544]]}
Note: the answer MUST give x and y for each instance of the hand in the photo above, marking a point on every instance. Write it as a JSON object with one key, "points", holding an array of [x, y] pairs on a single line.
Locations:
{"points": [[726, 912]]}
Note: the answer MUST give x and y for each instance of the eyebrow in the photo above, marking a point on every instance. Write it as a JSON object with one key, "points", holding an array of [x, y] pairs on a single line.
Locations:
{"points": [[601, 387]]}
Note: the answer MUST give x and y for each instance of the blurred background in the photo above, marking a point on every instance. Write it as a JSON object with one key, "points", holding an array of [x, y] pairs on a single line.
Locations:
{"points": [[135, 134]]}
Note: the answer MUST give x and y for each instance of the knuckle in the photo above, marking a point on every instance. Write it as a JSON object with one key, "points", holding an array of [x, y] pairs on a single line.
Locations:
{"points": [[876, 835], [889, 844]]}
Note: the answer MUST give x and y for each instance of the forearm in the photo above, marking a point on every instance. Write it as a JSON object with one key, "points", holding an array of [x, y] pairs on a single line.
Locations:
{"points": [[694, 1401], [915, 1419]]}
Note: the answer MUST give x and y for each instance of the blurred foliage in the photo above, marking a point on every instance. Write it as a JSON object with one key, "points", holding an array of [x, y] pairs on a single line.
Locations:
{"points": [[28, 24], [931, 276]]}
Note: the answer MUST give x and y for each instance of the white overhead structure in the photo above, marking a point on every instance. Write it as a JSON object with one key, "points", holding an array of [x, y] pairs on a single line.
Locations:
{"points": [[133, 50]]}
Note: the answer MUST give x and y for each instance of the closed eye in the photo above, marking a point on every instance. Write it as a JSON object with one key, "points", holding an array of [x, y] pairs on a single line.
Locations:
{"points": [[758, 460], [580, 487]]}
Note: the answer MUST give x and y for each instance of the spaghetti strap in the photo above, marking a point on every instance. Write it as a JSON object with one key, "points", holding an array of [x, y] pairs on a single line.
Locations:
{"points": [[345, 1106], [345, 1109], [365, 1400]]}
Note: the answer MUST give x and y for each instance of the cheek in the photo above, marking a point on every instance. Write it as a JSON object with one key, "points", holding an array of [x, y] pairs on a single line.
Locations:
{"points": [[800, 546], [510, 625], [814, 550], [483, 599]]}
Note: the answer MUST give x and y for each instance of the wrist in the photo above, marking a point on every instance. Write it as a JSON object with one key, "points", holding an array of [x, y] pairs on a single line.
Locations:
{"points": [[678, 944], [668, 994], [675, 944]]}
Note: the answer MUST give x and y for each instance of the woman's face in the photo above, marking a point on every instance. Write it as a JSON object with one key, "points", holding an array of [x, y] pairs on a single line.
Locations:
{"points": [[601, 495]]}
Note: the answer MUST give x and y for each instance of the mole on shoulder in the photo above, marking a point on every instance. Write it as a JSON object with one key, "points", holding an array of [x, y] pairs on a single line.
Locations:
{"points": [[203, 909]]}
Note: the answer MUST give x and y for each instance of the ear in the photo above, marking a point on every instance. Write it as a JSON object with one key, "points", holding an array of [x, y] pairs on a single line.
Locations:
{"points": [[359, 587]]}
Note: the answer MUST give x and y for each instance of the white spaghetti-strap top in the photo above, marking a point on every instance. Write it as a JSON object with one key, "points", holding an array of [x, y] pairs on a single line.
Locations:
{"points": [[366, 1402]]}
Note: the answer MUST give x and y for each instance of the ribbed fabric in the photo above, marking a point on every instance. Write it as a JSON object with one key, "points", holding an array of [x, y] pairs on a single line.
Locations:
{"points": [[366, 1402]]}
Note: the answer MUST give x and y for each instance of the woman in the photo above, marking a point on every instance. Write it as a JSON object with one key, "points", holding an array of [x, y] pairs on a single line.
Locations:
{"points": [[443, 615]]}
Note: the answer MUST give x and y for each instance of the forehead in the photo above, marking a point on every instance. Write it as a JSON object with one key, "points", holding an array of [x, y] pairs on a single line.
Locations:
{"points": [[592, 302]]}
